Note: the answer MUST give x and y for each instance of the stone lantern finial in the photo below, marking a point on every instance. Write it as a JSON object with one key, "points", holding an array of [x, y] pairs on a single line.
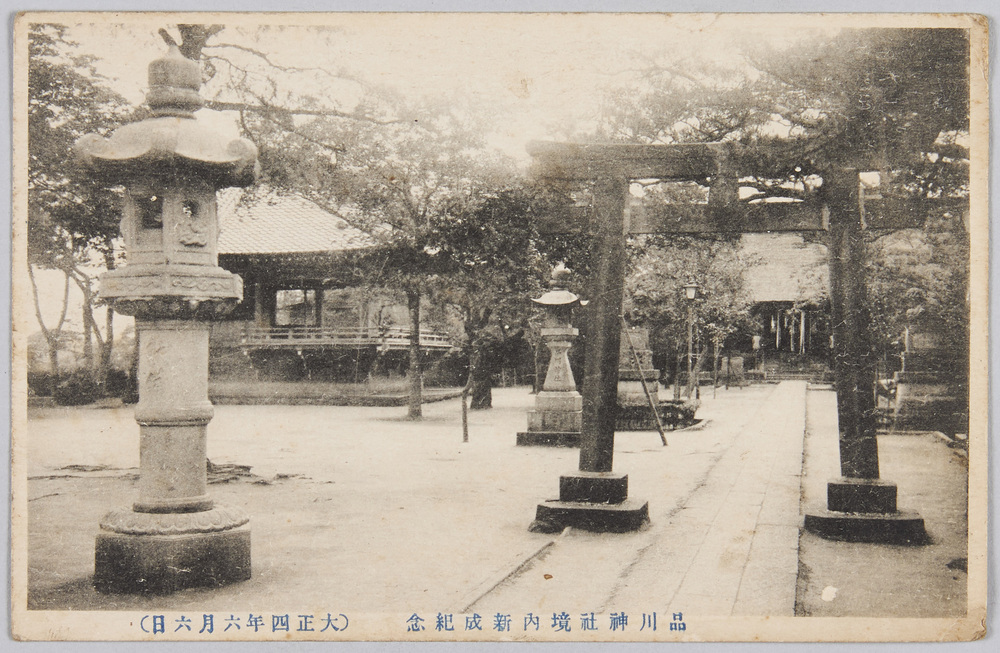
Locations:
{"points": [[560, 277], [174, 82], [171, 142]]}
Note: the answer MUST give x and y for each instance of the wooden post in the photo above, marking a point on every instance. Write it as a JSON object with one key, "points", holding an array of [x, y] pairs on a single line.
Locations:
{"points": [[802, 331], [318, 306]]}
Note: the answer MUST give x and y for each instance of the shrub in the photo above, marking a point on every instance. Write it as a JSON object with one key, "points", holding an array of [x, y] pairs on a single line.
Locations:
{"points": [[76, 389], [678, 414], [123, 385], [42, 384], [687, 410], [449, 371]]}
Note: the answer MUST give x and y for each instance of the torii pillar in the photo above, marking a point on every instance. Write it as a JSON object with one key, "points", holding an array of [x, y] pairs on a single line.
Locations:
{"points": [[861, 506], [595, 497]]}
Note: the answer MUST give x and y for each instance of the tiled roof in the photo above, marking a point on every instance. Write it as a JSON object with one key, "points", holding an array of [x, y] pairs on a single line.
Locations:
{"points": [[783, 267], [272, 223]]}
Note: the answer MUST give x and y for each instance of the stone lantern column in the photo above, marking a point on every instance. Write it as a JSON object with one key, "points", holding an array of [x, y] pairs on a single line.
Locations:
{"points": [[174, 536], [558, 415]]}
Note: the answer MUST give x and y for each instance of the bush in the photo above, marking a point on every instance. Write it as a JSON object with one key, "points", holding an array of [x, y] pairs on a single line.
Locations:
{"points": [[123, 385], [449, 371], [687, 410], [679, 414], [42, 384], [76, 389]]}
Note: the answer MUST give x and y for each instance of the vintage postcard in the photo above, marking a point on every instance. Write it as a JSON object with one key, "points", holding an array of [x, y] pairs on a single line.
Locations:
{"points": [[499, 327]]}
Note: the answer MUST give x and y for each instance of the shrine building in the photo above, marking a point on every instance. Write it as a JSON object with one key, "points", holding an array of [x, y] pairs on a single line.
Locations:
{"points": [[302, 317]]}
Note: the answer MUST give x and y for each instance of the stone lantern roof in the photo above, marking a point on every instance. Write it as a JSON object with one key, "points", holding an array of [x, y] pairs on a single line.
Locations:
{"points": [[171, 141], [557, 294]]}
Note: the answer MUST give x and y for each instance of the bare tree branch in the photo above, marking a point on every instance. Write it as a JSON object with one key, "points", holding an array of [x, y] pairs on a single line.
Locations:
{"points": [[271, 109], [266, 58]]}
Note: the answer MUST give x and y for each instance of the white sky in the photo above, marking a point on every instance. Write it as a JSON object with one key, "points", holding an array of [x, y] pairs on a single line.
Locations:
{"points": [[540, 75]]}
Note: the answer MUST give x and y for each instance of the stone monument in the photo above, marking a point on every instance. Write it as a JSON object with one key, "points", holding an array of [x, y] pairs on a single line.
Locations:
{"points": [[634, 411], [174, 536], [558, 415]]}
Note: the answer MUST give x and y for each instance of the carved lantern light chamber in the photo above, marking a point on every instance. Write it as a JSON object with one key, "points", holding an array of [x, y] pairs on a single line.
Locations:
{"points": [[171, 165]]}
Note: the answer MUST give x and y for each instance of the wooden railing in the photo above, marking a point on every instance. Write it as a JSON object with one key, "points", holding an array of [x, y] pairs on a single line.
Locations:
{"points": [[348, 337]]}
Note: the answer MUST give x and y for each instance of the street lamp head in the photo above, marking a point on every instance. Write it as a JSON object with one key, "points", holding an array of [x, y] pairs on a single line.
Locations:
{"points": [[691, 290]]}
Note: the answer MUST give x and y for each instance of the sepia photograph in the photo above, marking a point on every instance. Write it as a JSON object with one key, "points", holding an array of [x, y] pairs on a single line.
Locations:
{"points": [[506, 327]]}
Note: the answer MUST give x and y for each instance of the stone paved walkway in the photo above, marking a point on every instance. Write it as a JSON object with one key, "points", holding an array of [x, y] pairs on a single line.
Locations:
{"points": [[725, 545]]}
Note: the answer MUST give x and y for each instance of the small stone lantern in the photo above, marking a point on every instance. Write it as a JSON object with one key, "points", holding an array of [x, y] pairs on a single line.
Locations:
{"points": [[558, 415], [171, 166]]}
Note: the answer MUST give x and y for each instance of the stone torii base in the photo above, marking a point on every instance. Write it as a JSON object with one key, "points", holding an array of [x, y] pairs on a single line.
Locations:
{"points": [[592, 501], [864, 510]]}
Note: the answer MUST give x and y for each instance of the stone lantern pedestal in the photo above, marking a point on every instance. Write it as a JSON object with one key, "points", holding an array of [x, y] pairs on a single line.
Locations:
{"points": [[558, 415], [173, 536], [557, 418]]}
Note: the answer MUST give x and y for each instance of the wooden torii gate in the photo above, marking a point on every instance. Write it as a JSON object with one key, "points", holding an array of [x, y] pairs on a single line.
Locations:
{"points": [[861, 506]]}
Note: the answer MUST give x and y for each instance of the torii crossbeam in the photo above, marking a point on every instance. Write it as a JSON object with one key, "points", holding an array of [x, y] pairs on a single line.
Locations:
{"points": [[595, 497]]}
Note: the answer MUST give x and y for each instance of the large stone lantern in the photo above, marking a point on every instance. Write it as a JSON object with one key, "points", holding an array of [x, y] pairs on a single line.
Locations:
{"points": [[558, 415], [171, 166]]}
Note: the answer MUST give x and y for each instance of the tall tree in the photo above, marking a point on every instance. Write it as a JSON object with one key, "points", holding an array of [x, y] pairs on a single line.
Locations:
{"points": [[492, 269], [71, 219], [391, 167]]}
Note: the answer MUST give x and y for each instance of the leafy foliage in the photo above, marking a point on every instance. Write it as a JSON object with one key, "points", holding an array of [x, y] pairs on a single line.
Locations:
{"points": [[71, 217], [655, 293], [69, 213], [492, 271]]}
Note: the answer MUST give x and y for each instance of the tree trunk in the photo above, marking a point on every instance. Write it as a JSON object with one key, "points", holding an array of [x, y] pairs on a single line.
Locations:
{"points": [[107, 347], [696, 372], [465, 396], [92, 331], [678, 364], [482, 385], [536, 385], [88, 339], [415, 410], [104, 365], [51, 335]]}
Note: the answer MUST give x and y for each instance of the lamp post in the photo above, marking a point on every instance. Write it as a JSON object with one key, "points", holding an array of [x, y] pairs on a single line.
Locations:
{"points": [[690, 294]]}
